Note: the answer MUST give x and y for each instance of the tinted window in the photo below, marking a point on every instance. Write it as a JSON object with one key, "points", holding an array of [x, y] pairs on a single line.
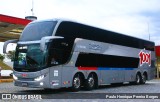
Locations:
{"points": [[37, 30], [59, 51], [100, 60], [77, 30], [29, 58]]}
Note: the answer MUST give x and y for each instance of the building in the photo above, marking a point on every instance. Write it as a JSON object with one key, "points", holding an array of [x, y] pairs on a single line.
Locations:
{"points": [[11, 27], [157, 48]]}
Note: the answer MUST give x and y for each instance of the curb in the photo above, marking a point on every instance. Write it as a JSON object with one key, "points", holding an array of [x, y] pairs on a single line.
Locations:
{"points": [[6, 80]]}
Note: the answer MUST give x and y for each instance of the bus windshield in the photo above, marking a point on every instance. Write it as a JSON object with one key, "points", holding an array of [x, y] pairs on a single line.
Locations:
{"points": [[29, 57]]}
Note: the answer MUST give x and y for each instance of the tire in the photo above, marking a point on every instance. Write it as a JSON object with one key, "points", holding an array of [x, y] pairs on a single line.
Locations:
{"points": [[144, 78], [138, 80], [76, 83], [90, 82]]}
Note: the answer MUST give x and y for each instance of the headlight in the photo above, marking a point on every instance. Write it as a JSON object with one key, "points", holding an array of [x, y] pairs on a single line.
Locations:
{"points": [[39, 78], [14, 77]]}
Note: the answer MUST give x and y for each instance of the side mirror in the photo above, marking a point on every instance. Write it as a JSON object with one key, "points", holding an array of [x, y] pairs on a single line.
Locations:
{"points": [[47, 39], [7, 42]]}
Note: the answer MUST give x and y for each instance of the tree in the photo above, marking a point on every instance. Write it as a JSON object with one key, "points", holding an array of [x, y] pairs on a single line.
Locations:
{"points": [[2, 57], [10, 55]]}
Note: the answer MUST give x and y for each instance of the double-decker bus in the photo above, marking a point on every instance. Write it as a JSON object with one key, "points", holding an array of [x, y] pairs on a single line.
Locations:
{"points": [[56, 53]]}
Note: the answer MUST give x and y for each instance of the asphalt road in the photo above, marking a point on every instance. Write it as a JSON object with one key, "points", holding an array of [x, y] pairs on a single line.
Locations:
{"points": [[65, 94]]}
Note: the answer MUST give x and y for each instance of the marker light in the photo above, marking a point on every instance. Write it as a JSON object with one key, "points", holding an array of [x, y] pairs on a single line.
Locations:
{"points": [[39, 78]]}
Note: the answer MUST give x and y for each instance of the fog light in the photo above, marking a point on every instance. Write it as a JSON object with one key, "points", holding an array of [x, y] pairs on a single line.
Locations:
{"points": [[41, 83]]}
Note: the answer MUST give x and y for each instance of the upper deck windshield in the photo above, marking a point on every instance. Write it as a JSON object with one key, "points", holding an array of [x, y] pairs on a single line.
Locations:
{"points": [[37, 30]]}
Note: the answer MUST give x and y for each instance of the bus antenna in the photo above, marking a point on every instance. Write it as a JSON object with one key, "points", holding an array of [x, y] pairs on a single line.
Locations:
{"points": [[32, 8]]}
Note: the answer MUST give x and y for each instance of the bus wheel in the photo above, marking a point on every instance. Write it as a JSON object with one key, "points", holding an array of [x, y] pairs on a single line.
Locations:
{"points": [[90, 82], [144, 78], [138, 79], [76, 83]]}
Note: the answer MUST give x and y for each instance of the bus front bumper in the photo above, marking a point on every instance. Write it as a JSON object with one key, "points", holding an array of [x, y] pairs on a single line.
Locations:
{"points": [[32, 84]]}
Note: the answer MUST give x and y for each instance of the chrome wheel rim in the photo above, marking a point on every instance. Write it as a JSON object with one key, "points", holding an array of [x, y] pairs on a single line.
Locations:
{"points": [[76, 82], [144, 78], [138, 79], [91, 81]]}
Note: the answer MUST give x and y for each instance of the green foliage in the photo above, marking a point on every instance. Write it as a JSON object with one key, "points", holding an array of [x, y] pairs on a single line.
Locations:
{"points": [[10, 55], [2, 57]]}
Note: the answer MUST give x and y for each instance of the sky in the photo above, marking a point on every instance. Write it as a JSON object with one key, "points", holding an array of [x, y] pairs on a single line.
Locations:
{"points": [[138, 18]]}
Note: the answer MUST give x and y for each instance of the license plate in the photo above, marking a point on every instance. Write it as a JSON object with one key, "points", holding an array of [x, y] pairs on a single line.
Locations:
{"points": [[24, 84]]}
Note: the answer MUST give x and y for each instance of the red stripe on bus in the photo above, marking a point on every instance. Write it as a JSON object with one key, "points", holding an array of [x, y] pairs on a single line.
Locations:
{"points": [[87, 68]]}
